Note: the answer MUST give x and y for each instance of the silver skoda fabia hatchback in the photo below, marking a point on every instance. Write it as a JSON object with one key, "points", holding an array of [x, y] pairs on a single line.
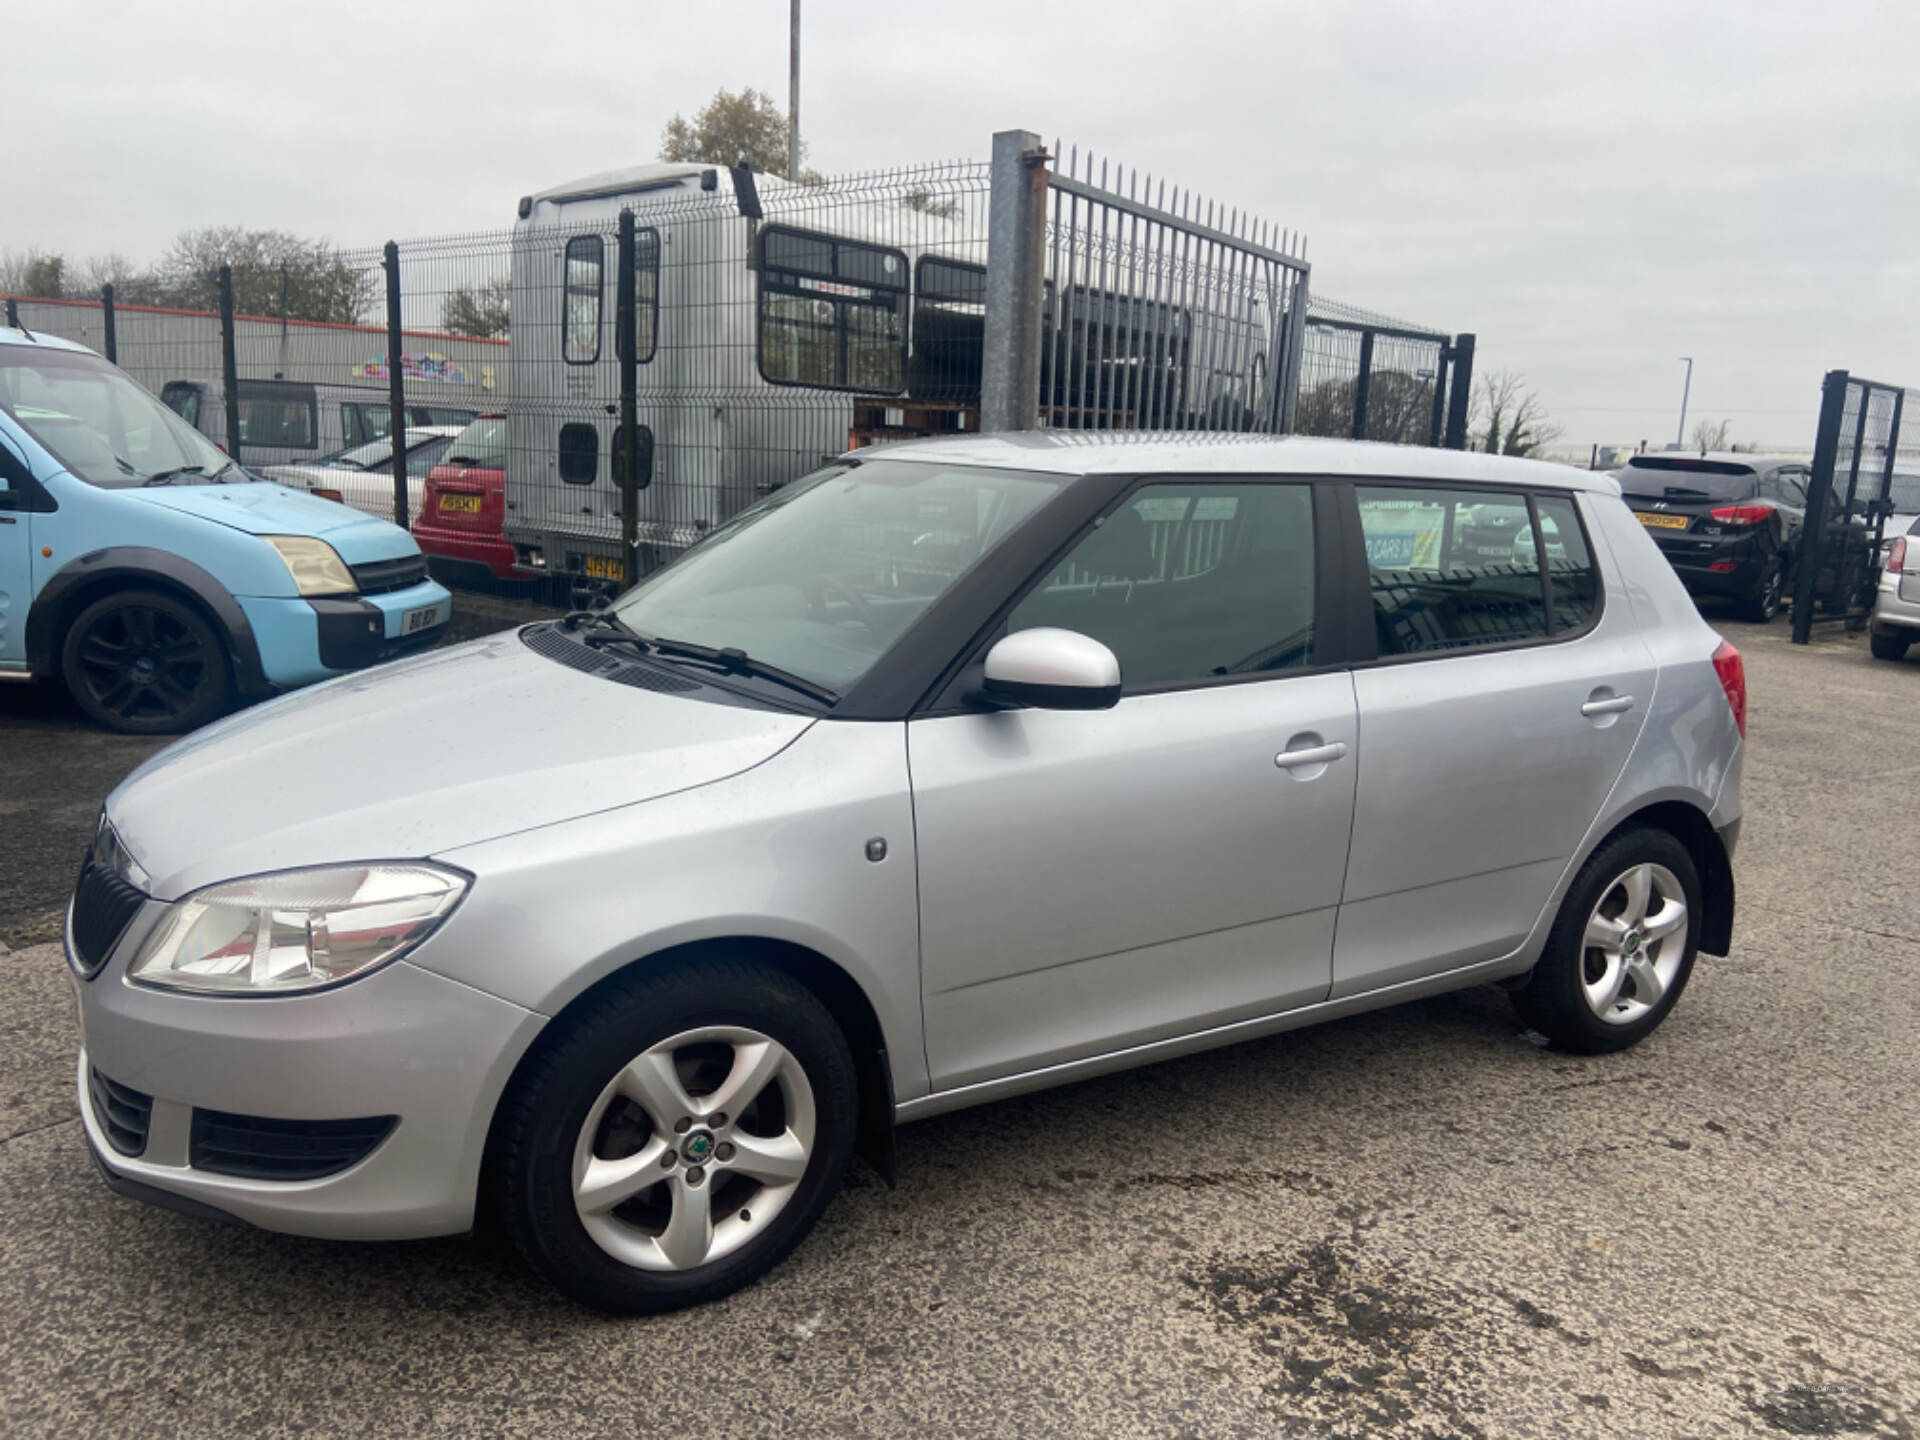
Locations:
{"points": [[950, 771]]}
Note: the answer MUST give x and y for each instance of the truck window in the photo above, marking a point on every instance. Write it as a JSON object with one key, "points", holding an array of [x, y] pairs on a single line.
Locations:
{"points": [[646, 294], [580, 316], [949, 329], [832, 312]]}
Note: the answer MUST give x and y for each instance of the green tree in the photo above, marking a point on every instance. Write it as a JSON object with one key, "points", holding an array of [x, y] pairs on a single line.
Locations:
{"points": [[747, 126], [274, 273], [45, 277], [479, 310]]}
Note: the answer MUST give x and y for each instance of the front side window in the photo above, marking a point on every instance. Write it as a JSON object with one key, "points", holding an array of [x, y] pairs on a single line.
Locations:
{"points": [[580, 314], [1190, 583], [825, 575], [832, 313], [100, 425], [1451, 570]]}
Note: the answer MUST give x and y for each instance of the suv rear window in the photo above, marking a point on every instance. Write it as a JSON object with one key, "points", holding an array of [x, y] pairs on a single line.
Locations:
{"points": [[1712, 479]]}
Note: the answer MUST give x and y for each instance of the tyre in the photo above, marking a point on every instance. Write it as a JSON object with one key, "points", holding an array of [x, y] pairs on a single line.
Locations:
{"points": [[1620, 952], [1763, 602], [673, 1141], [1887, 645], [145, 663]]}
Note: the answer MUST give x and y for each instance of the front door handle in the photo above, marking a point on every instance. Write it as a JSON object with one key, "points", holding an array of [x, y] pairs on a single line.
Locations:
{"points": [[1317, 755], [1618, 705]]}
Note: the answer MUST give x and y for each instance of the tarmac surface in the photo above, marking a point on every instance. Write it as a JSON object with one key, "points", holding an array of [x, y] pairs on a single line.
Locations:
{"points": [[1411, 1223]]}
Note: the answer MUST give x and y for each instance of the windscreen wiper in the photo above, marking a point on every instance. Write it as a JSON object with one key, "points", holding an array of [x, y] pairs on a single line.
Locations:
{"points": [[167, 477], [1685, 492], [734, 661], [607, 628]]}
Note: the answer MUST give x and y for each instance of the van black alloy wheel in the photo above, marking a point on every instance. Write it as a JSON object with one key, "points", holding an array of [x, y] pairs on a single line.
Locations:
{"points": [[145, 663]]}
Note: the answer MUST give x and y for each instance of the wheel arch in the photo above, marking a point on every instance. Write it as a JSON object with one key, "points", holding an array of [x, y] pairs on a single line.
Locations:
{"points": [[830, 983], [82, 581], [1688, 824]]}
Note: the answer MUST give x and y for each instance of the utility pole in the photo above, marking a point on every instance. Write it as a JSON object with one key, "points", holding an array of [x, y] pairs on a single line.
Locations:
{"points": [[1680, 439], [793, 96]]}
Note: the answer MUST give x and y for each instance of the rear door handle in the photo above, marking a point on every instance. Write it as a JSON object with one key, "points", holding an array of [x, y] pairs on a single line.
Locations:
{"points": [[1618, 705], [1317, 755]]}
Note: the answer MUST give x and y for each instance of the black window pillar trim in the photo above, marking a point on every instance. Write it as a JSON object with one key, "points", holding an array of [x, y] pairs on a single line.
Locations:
{"points": [[126, 567]]}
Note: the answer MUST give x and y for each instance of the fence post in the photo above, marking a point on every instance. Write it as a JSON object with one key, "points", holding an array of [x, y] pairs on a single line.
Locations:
{"points": [[396, 386], [1297, 321], [1462, 398], [107, 322], [1437, 424], [13, 313], [1813, 530], [628, 448], [1016, 262], [229, 367], [1362, 384]]}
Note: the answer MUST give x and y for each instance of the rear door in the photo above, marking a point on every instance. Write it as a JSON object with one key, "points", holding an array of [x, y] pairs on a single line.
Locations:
{"points": [[1094, 880], [1494, 724]]}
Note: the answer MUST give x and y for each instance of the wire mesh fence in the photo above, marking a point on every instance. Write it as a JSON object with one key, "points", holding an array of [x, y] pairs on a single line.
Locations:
{"points": [[1366, 376]]}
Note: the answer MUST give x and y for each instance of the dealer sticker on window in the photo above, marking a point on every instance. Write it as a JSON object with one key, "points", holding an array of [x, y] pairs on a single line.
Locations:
{"points": [[425, 618]]}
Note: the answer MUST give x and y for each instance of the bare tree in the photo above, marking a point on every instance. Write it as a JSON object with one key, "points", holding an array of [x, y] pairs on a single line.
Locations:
{"points": [[731, 128], [274, 274], [1711, 434], [1507, 418], [480, 310]]}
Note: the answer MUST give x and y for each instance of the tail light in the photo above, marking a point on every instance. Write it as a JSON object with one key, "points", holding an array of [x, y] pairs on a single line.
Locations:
{"points": [[1742, 514], [333, 495], [1733, 679], [1897, 556]]}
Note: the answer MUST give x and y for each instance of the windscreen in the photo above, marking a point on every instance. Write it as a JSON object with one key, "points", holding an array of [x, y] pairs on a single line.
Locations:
{"points": [[98, 423], [825, 575]]}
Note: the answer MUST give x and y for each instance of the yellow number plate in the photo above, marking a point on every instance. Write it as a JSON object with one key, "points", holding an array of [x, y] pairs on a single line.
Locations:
{"points": [[604, 567], [1661, 522], [459, 504]]}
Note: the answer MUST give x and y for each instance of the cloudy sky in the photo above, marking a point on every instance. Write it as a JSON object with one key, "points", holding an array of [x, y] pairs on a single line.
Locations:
{"points": [[1593, 189]]}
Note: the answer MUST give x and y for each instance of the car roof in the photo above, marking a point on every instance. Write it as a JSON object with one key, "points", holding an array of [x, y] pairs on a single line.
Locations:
{"points": [[1657, 459], [1117, 452], [41, 339]]}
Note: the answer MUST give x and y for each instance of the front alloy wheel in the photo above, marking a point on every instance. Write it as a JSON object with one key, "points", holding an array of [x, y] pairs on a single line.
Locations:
{"points": [[145, 663], [675, 1134]]}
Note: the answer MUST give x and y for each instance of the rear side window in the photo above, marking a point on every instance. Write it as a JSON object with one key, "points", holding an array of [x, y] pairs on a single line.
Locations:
{"points": [[1451, 570], [1190, 583], [580, 318], [274, 412], [1573, 585]]}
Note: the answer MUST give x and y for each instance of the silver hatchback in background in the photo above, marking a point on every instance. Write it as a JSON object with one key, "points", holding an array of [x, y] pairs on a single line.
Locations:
{"points": [[1896, 605], [954, 770]]}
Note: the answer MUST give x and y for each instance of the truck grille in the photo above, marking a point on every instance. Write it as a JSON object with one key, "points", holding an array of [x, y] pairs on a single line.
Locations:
{"points": [[256, 1148], [123, 1112], [377, 577]]}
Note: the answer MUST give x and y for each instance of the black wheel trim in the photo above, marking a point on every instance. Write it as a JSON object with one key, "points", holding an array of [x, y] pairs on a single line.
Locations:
{"points": [[1770, 591], [139, 662]]}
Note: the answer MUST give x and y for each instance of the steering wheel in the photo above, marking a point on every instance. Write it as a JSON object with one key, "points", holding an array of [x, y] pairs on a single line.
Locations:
{"points": [[816, 596]]}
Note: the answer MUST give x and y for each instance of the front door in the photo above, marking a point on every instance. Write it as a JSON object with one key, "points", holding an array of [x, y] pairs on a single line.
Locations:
{"points": [[1095, 880], [1495, 726], [16, 560]]}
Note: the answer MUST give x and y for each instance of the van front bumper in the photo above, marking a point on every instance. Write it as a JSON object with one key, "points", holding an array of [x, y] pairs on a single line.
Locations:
{"points": [[302, 641]]}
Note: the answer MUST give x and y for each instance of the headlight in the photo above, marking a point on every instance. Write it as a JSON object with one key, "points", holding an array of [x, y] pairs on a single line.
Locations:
{"points": [[297, 930], [316, 566]]}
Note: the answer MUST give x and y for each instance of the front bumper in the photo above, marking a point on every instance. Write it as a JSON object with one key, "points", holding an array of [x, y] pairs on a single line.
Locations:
{"points": [[401, 1042], [302, 641]]}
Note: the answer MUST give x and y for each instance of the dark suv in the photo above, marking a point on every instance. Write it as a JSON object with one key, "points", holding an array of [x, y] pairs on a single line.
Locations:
{"points": [[1728, 524]]}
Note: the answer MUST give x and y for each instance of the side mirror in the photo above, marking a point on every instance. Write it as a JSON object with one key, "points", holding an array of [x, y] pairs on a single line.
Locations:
{"points": [[1053, 670]]}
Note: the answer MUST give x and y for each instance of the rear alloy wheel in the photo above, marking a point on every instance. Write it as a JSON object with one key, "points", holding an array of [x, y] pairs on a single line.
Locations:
{"points": [[676, 1139], [144, 663], [1622, 948], [1764, 603], [1888, 645]]}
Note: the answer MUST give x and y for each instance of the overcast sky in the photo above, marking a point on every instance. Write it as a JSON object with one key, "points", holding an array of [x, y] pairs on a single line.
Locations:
{"points": [[1594, 190]]}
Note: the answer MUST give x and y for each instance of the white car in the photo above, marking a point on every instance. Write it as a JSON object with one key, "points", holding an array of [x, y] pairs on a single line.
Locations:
{"points": [[363, 476], [1896, 608]]}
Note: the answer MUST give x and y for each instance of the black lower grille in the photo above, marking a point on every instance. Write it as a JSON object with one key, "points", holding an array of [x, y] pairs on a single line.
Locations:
{"points": [[256, 1148], [376, 577], [103, 906], [122, 1112]]}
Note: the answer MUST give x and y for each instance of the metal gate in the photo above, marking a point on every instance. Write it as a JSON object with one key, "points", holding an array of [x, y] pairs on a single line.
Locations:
{"points": [[1848, 500], [1367, 377]]}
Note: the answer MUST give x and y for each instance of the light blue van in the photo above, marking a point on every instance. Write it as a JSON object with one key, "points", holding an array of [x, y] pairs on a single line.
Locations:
{"points": [[158, 579]]}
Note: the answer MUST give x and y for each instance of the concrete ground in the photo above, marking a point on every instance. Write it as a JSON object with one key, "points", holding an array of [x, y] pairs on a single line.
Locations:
{"points": [[1411, 1223]]}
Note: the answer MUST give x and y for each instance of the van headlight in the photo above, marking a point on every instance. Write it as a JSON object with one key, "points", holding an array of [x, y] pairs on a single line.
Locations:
{"points": [[316, 566], [298, 929]]}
